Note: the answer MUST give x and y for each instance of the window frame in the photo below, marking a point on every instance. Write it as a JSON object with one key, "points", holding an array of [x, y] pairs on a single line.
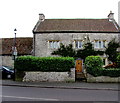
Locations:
{"points": [[78, 44], [99, 44], [53, 44]]}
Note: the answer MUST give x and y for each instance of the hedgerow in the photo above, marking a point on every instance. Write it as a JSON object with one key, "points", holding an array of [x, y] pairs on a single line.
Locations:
{"points": [[45, 64]]}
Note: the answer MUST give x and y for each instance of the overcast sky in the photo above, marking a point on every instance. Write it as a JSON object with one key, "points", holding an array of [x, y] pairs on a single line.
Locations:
{"points": [[23, 14]]}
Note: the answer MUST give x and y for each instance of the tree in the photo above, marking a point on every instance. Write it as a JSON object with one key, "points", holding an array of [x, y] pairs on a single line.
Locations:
{"points": [[88, 50], [111, 50]]}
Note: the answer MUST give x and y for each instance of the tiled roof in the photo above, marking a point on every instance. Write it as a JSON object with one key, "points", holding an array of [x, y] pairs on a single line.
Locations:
{"points": [[75, 25], [24, 46]]}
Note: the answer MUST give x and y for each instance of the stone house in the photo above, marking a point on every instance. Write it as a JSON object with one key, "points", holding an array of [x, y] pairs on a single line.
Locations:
{"points": [[49, 33], [24, 47]]}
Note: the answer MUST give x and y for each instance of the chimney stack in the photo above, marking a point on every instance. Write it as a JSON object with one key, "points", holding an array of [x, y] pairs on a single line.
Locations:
{"points": [[41, 17], [111, 16]]}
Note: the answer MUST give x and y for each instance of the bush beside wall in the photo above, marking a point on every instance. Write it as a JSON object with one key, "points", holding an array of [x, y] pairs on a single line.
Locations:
{"points": [[45, 64], [112, 72], [94, 67], [118, 60]]}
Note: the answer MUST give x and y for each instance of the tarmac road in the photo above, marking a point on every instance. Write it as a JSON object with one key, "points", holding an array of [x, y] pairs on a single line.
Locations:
{"points": [[14, 93]]}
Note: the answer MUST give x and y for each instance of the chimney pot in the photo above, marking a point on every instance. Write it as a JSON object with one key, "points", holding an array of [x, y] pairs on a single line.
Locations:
{"points": [[111, 16], [41, 17]]}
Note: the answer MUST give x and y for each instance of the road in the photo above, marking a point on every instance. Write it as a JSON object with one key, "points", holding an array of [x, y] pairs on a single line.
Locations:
{"points": [[13, 93]]}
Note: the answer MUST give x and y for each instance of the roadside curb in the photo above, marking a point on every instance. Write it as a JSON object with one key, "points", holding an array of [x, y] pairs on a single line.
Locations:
{"points": [[60, 87]]}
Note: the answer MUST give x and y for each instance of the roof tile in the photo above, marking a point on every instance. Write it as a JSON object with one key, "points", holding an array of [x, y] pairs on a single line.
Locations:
{"points": [[79, 25], [23, 45]]}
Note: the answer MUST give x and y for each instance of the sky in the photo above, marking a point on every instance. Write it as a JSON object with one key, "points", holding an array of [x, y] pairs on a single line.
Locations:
{"points": [[24, 14]]}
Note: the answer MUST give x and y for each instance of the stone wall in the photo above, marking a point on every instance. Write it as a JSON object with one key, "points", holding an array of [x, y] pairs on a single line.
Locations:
{"points": [[41, 45], [102, 79], [7, 61], [50, 76]]}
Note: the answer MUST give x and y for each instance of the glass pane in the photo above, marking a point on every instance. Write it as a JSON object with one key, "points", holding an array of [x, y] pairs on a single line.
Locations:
{"points": [[99, 45], [103, 44], [54, 45], [58, 44], [80, 44], [51, 44], [76, 44], [95, 44]]}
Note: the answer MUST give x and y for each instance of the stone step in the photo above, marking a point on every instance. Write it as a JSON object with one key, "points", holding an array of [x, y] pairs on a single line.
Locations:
{"points": [[80, 75]]}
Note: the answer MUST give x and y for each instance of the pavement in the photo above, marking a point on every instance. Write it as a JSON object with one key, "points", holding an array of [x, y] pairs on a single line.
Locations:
{"points": [[64, 85]]}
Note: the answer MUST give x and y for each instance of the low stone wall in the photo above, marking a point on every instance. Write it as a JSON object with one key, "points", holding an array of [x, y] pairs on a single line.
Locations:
{"points": [[103, 79], [7, 61], [50, 76]]}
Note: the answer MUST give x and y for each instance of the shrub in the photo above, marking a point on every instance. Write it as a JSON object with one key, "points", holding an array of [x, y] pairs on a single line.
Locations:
{"points": [[45, 64], [111, 50], [94, 65], [112, 72], [118, 60]]}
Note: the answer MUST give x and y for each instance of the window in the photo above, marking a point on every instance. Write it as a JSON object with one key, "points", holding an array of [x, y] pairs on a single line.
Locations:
{"points": [[79, 44], [54, 44], [99, 44]]}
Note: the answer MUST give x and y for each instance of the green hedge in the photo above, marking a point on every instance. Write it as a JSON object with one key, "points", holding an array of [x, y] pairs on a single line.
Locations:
{"points": [[45, 64], [112, 72], [94, 67]]}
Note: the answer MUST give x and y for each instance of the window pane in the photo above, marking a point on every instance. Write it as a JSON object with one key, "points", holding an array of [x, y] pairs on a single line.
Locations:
{"points": [[54, 44], [103, 44], [95, 44], [80, 44], [58, 44], [99, 45], [76, 44]]}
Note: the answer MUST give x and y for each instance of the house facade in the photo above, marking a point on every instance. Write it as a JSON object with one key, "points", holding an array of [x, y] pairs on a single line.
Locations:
{"points": [[49, 33], [24, 46]]}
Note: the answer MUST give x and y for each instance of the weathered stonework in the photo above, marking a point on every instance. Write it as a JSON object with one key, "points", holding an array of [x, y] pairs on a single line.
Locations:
{"points": [[42, 49], [50, 76], [41, 41], [7, 61], [103, 79]]}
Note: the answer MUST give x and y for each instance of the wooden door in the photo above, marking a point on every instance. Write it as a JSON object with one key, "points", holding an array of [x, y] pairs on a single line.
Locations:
{"points": [[78, 65]]}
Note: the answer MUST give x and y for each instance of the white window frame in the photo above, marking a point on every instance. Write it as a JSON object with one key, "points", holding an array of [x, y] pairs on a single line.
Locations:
{"points": [[100, 44], [53, 44], [78, 44]]}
